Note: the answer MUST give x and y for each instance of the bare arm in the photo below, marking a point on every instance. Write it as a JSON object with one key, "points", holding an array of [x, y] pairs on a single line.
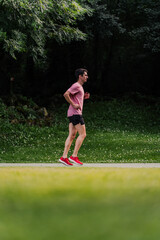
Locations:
{"points": [[68, 99]]}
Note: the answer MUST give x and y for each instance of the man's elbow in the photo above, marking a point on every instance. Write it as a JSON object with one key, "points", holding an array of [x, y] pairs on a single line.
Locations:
{"points": [[65, 94]]}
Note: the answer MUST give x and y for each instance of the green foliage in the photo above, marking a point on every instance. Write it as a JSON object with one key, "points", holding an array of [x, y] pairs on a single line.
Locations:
{"points": [[25, 26], [143, 23], [104, 20], [20, 109], [122, 38]]}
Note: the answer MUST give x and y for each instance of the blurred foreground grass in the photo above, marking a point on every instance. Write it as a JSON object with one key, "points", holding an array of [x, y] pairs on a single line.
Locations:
{"points": [[79, 203]]}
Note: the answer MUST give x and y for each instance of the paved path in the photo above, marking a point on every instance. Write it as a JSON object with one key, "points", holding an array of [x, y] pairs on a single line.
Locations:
{"points": [[99, 165]]}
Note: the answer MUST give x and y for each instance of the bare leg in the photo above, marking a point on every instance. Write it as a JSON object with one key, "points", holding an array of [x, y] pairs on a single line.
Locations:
{"points": [[69, 140], [82, 134]]}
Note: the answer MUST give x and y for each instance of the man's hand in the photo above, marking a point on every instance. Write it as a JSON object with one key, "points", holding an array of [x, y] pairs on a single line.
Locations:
{"points": [[76, 106], [68, 99], [86, 95]]}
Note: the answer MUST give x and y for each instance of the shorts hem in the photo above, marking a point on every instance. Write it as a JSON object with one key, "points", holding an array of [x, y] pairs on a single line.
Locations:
{"points": [[76, 119]]}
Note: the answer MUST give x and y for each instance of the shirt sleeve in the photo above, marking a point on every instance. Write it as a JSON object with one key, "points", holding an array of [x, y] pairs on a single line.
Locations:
{"points": [[74, 89]]}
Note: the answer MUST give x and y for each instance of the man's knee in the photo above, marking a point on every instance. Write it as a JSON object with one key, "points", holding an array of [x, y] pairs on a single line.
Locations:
{"points": [[72, 136], [83, 135]]}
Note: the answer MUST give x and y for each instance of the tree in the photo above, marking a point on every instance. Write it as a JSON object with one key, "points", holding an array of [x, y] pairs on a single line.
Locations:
{"points": [[142, 21], [25, 25], [103, 28]]}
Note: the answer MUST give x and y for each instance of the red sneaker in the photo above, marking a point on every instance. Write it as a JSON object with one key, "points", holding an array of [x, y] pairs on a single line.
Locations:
{"points": [[75, 160], [65, 161]]}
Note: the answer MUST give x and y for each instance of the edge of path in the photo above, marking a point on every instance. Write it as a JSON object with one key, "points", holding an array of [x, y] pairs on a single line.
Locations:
{"points": [[99, 165]]}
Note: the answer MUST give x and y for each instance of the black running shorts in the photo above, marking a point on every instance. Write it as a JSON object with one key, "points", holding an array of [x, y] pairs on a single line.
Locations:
{"points": [[76, 119]]}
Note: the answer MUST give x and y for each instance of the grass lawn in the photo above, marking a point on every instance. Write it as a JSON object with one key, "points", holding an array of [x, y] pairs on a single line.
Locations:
{"points": [[79, 203], [117, 131], [113, 146]]}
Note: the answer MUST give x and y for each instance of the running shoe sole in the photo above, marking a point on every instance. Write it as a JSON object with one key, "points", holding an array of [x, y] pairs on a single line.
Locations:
{"points": [[64, 163]]}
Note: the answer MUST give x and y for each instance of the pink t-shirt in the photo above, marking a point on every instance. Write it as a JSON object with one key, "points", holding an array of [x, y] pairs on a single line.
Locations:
{"points": [[77, 96]]}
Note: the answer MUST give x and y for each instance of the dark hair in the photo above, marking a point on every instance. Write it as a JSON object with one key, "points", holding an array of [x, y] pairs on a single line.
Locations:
{"points": [[80, 71]]}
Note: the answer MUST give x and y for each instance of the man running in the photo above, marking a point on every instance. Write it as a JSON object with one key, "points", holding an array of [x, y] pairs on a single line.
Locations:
{"points": [[75, 96]]}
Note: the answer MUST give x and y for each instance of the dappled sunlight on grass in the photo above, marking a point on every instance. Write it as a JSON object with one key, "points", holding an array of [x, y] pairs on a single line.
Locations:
{"points": [[117, 131]]}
